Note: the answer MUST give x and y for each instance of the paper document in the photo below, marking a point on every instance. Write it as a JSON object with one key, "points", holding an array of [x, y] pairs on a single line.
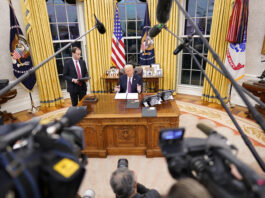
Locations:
{"points": [[132, 96], [120, 96]]}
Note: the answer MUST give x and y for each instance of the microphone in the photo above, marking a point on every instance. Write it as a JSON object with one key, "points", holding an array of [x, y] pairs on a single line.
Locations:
{"points": [[71, 117], [182, 45], [155, 30], [163, 10], [100, 26], [205, 129]]}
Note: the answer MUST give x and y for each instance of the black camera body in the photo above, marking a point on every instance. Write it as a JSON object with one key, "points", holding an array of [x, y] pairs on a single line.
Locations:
{"points": [[209, 161]]}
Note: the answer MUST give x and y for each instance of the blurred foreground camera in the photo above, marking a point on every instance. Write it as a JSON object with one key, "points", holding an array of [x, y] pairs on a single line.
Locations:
{"points": [[123, 162], [209, 161]]}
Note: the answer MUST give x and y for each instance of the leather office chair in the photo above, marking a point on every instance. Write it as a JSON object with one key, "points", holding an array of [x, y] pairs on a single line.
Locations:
{"points": [[137, 70]]}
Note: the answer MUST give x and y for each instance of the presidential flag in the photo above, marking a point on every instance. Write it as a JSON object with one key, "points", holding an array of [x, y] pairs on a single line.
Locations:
{"points": [[19, 51], [118, 50], [147, 52]]}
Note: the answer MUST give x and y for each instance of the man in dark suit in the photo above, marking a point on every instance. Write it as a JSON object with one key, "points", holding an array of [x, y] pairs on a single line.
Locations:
{"points": [[124, 185], [129, 83], [74, 69]]}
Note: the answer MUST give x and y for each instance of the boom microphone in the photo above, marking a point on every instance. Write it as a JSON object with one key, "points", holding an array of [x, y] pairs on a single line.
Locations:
{"points": [[163, 10], [182, 45], [154, 31], [205, 129], [70, 118], [100, 26]]}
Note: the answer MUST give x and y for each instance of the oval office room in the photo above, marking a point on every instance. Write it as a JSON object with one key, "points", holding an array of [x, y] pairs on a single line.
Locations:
{"points": [[102, 97]]}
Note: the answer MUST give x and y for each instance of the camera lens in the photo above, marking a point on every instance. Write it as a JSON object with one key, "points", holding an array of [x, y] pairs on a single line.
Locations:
{"points": [[123, 163]]}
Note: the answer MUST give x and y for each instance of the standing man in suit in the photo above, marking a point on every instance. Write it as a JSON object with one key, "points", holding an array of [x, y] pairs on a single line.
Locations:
{"points": [[129, 83], [74, 69]]}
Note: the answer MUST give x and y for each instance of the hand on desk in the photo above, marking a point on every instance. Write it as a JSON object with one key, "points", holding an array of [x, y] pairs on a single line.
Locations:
{"points": [[117, 88]]}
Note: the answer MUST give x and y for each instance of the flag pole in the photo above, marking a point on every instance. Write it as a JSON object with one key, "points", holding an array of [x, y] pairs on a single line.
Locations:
{"points": [[229, 103], [33, 107]]}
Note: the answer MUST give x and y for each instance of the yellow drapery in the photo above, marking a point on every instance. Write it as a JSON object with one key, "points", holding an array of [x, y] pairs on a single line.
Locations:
{"points": [[220, 22], [99, 46], [40, 41]]}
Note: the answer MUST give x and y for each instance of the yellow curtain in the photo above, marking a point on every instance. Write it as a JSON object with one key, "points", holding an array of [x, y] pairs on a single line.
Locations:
{"points": [[220, 22], [40, 41], [165, 44], [99, 46]]}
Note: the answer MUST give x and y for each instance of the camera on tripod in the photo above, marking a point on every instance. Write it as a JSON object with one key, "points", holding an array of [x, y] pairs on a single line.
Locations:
{"points": [[209, 161], [123, 163]]}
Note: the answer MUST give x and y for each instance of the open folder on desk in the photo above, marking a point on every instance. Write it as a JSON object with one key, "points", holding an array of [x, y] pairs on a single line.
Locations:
{"points": [[129, 96]]}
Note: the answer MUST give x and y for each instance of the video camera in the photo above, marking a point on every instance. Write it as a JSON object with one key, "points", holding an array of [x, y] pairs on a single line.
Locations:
{"points": [[42, 160], [209, 161]]}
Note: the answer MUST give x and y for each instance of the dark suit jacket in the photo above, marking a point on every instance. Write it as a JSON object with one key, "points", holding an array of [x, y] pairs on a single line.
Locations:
{"points": [[69, 72], [136, 80], [143, 192]]}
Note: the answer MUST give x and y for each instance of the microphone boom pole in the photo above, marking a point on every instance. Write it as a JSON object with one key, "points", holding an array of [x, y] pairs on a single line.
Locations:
{"points": [[27, 74], [215, 67]]}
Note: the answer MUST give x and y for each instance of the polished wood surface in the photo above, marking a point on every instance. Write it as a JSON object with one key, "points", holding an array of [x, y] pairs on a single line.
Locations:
{"points": [[258, 89], [112, 81], [111, 129]]}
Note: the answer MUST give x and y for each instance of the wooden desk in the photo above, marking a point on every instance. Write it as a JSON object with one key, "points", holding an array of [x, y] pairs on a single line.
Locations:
{"points": [[258, 90], [113, 81], [111, 129]]}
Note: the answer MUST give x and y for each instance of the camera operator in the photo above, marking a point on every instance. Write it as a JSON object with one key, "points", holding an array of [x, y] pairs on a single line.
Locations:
{"points": [[124, 185], [187, 188]]}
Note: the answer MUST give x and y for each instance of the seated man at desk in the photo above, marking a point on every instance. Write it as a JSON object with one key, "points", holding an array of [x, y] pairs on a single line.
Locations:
{"points": [[129, 82]]}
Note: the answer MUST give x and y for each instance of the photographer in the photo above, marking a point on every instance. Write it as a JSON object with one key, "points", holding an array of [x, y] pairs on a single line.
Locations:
{"points": [[124, 185]]}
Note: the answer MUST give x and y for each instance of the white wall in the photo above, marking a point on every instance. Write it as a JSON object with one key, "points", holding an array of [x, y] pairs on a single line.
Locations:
{"points": [[22, 100]]}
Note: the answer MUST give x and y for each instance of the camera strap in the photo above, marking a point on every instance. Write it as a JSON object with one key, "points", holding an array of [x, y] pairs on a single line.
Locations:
{"points": [[23, 180]]}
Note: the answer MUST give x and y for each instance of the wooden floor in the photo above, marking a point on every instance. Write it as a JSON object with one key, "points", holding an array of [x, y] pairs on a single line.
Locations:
{"points": [[237, 110]]}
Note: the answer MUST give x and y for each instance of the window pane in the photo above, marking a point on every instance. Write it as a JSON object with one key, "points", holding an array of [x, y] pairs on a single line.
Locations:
{"points": [[72, 13], [49, 1], [67, 52], [131, 11], [195, 78], [54, 32], [76, 44], [188, 27], [51, 13], [202, 8], [190, 6], [204, 64], [194, 64], [62, 82], [63, 31], [126, 45], [186, 61], [140, 25], [60, 13], [132, 59], [131, 46], [74, 31], [131, 28], [210, 7], [200, 22], [185, 77], [209, 24], [59, 64], [59, 1], [198, 44], [141, 11], [121, 8], [138, 45], [56, 47], [123, 28]]}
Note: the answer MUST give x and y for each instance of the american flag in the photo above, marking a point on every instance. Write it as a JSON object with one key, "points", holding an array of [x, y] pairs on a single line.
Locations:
{"points": [[118, 50]]}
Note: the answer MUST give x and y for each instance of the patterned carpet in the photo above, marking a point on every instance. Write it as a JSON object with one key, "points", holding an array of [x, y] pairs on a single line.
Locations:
{"points": [[157, 177]]}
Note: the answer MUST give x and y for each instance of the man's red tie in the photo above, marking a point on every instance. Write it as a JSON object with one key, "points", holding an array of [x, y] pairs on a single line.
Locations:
{"points": [[78, 72]]}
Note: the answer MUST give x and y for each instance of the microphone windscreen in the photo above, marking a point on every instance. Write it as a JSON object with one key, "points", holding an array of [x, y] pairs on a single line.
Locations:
{"points": [[154, 31], [75, 115], [163, 10], [178, 49], [205, 129], [100, 26]]}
